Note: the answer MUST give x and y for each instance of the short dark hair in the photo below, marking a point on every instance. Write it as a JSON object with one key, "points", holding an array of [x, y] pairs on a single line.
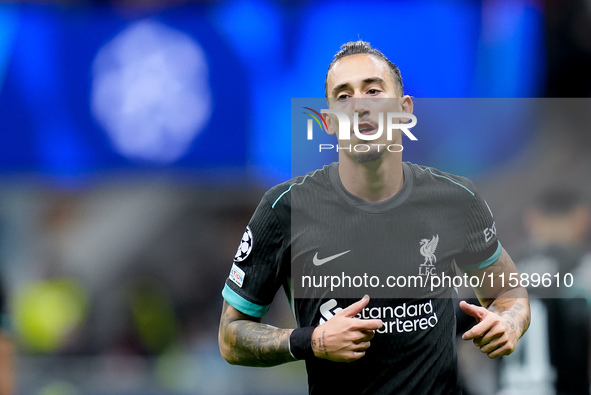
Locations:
{"points": [[363, 47], [558, 200]]}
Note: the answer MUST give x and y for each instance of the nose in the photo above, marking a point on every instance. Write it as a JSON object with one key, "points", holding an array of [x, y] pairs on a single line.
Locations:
{"points": [[361, 106]]}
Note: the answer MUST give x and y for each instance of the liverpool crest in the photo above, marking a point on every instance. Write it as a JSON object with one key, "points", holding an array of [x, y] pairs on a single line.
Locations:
{"points": [[428, 250]]}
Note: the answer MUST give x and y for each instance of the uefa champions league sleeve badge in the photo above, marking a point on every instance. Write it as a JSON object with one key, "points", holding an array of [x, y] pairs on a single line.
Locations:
{"points": [[245, 246]]}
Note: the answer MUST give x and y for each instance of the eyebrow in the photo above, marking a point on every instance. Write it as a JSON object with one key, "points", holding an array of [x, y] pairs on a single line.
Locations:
{"points": [[366, 81]]}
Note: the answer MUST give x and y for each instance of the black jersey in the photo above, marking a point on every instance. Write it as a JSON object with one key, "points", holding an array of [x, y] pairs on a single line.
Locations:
{"points": [[311, 228]]}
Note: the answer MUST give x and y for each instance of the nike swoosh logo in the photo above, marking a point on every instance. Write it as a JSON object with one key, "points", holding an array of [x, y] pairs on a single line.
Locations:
{"points": [[319, 262]]}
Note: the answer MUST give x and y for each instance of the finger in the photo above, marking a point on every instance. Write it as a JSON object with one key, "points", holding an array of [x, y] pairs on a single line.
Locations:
{"points": [[367, 335], [477, 341], [355, 308], [365, 325], [478, 330], [477, 312], [494, 344], [488, 338], [362, 346], [483, 341], [355, 355], [501, 351], [364, 337], [494, 333], [482, 327]]}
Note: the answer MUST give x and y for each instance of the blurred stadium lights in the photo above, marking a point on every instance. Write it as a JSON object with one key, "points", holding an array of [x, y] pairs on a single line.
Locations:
{"points": [[206, 87], [151, 92], [89, 92]]}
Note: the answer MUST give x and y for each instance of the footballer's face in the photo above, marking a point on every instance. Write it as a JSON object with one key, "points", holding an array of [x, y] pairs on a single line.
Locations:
{"points": [[364, 84]]}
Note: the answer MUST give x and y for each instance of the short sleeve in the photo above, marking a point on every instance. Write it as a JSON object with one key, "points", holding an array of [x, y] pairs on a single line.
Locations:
{"points": [[257, 271], [481, 247]]}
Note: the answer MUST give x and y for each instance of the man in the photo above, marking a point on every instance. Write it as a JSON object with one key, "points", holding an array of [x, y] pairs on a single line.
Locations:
{"points": [[7, 349], [6, 358], [369, 210], [555, 355]]}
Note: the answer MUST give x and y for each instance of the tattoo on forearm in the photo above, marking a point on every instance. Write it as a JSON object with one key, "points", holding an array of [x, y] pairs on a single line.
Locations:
{"points": [[514, 312], [253, 343], [510, 317], [321, 343], [518, 307]]}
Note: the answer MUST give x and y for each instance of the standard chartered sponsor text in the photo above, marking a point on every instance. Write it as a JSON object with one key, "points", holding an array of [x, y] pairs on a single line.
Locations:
{"points": [[407, 317]]}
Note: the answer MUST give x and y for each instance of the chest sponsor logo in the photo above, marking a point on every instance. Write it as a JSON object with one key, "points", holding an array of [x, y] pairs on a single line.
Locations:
{"points": [[328, 310], [489, 233], [321, 261], [404, 318], [427, 250]]}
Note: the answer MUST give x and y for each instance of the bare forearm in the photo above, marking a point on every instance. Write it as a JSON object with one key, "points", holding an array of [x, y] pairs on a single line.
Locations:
{"points": [[6, 366], [250, 343], [510, 303], [513, 305], [258, 344]]}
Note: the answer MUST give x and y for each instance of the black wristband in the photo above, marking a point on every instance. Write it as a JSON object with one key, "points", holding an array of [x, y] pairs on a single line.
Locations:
{"points": [[300, 342]]}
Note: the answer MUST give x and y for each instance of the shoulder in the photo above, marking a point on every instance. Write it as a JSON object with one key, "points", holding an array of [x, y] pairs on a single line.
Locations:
{"points": [[430, 177], [280, 195]]}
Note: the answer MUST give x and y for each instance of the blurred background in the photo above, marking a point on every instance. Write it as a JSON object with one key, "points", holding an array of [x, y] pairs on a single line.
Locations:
{"points": [[138, 136]]}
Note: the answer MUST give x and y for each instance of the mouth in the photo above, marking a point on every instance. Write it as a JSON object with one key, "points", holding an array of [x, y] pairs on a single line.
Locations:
{"points": [[367, 128]]}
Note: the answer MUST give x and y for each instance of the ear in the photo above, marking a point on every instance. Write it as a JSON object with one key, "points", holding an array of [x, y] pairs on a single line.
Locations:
{"points": [[407, 106], [330, 123]]}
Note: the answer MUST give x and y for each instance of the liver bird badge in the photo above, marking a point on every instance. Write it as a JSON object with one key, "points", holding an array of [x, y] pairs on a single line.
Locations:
{"points": [[428, 250]]}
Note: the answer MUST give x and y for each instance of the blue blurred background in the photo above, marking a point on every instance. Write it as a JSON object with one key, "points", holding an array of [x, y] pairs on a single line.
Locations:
{"points": [[136, 138], [209, 84]]}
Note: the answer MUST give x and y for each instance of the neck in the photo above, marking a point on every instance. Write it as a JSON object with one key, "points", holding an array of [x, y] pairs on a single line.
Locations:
{"points": [[374, 181]]}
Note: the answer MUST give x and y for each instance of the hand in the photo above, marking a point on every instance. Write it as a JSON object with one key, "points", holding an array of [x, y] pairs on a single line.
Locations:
{"points": [[495, 335], [345, 338]]}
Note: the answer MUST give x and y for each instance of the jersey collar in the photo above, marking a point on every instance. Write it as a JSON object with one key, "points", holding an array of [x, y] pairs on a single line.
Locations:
{"points": [[371, 207]]}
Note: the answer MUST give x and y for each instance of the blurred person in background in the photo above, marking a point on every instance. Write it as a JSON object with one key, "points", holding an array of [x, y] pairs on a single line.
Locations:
{"points": [[6, 348], [554, 356]]}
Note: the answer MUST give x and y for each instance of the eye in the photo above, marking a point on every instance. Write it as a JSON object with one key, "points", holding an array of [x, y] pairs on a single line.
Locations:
{"points": [[373, 91], [342, 97]]}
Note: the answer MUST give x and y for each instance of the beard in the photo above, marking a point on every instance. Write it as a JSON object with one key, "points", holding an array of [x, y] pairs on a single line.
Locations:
{"points": [[369, 156]]}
